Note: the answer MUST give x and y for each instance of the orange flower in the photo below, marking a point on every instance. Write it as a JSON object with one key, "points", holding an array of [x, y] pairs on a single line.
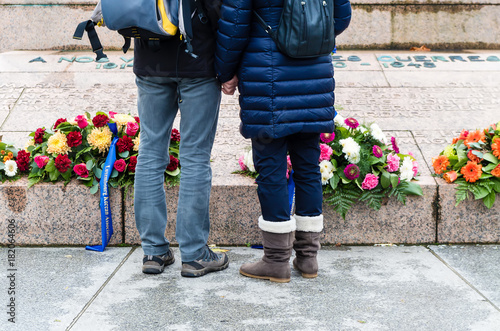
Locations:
{"points": [[474, 137], [471, 171], [450, 176], [2, 152], [462, 136], [6, 158], [496, 172], [10, 155], [495, 147], [473, 157], [440, 163]]}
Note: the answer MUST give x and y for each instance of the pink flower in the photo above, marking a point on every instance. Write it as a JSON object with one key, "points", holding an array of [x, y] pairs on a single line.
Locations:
{"points": [[392, 162], [242, 163], [351, 171], [81, 170], [120, 165], [81, 121], [112, 114], [415, 168], [132, 128], [370, 182], [326, 152], [288, 166], [377, 151], [41, 161], [395, 147], [351, 122], [327, 137]]}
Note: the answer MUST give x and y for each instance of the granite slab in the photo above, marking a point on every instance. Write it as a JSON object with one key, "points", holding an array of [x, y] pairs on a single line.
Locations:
{"points": [[469, 222], [478, 264], [53, 285], [54, 214], [358, 288]]}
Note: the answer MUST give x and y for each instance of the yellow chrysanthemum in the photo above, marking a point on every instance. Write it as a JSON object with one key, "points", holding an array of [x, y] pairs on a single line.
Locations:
{"points": [[29, 143], [123, 119], [136, 141], [100, 138], [58, 144]]}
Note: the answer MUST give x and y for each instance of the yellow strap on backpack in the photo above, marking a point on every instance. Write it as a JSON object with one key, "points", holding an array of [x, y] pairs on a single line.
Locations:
{"points": [[167, 25]]}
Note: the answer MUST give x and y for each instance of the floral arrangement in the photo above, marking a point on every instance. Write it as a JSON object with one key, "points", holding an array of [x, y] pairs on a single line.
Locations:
{"points": [[472, 161], [358, 164], [12, 162], [78, 149]]}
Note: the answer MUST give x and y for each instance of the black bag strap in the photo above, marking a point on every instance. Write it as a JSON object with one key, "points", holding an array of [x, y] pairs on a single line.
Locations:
{"points": [[201, 12], [92, 34], [269, 30]]}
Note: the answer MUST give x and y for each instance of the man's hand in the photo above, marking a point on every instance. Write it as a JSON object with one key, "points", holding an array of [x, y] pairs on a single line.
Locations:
{"points": [[230, 86]]}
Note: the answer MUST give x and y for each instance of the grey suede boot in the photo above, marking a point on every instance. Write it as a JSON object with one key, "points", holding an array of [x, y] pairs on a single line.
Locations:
{"points": [[306, 245], [275, 264]]}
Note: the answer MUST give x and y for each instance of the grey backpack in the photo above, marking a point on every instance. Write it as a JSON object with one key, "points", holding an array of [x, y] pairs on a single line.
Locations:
{"points": [[306, 28]]}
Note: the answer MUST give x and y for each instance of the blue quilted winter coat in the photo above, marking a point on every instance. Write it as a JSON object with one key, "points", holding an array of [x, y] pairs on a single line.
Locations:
{"points": [[279, 96]]}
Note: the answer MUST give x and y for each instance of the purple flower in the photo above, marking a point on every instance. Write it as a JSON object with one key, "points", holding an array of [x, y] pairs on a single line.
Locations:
{"points": [[351, 122], [377, 151], [351, 171], [327, 137], [395, 147]]}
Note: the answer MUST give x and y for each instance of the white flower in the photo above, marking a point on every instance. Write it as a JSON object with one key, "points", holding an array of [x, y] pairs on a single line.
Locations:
{"points": [[377, 133], [248, 160], [10, 168], [362, 128], [351, 150], [406, 169], [326, 168], [339, 120]]}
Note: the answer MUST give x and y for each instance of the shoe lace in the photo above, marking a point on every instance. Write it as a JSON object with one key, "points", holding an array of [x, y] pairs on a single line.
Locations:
{"points": [[212, 255]]}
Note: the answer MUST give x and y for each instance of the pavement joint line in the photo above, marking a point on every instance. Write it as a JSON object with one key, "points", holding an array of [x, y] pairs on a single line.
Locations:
{"points": [[13, 106], [462, 278], [75, 320]]}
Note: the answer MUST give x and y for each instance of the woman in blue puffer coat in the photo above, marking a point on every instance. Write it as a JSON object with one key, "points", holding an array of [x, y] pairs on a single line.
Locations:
{"points": [[285, 104]]}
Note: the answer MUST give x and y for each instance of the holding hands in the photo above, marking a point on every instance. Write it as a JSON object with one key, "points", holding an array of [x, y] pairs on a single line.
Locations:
{"points": [[230, 86]]}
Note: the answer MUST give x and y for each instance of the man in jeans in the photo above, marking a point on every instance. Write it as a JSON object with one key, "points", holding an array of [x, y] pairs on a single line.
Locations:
{"points": [[169, 79]]}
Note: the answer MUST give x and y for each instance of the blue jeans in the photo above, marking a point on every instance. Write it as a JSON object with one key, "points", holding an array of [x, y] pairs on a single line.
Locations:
{"points": [[158, 102], [269, 156]]}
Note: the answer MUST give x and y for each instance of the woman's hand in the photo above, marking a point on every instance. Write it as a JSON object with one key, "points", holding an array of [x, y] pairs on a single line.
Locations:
{"points": [[230, 86]]}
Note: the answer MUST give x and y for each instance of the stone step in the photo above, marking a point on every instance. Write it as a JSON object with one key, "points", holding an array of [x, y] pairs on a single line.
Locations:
{"points": [[376, 24]]}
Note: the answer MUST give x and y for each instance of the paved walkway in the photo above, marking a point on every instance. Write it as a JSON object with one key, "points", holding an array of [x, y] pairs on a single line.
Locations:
{"points": [[424, 99]]}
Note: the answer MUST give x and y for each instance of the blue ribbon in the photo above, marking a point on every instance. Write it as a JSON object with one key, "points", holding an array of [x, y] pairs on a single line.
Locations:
{"points": [[106, 219], [291, 192]]}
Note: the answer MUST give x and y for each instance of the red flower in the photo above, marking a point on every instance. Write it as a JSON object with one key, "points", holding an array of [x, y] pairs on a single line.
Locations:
{"points": [[124, 144], [81, 170], [174, 163], [39, 135], [175, 136], [74, 138], [137, 119], [100, 120], [132, 163], [62, 163], [59, 121], [120, 165], [23, 160]]}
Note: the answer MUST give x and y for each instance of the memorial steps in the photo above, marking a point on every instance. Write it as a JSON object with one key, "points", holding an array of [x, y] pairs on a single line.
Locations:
{"points": [[423, 106]]}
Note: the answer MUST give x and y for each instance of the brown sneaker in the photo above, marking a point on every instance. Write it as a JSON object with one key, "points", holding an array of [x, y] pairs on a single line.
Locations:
{"points": [[155, 264]]}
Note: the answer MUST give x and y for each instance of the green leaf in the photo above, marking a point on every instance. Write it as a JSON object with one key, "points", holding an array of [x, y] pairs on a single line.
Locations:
{"points": [[66, 175], [31, 148], [478, 154], [480, 192], [88, 115], [50, 166], [2, 165], [53, 175], [496, 185], [334, 181], [489, 200], [98, 172], [34, 180], [462, 156], [394, 180], [94, 189], [173, 173], [477, 145], [385, 179], [491, 158], [124, 154], [489, 167], [114, 174], [90, 165], [412, 189]]}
